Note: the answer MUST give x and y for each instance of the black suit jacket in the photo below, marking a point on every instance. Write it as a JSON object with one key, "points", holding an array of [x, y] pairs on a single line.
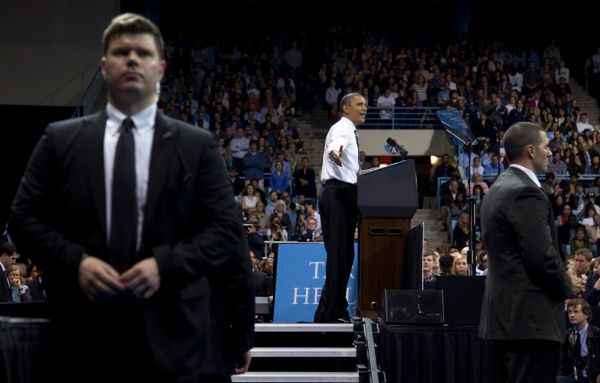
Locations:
{"points": [[527, 283], [592, 363], [202, 317], [5, 292]]}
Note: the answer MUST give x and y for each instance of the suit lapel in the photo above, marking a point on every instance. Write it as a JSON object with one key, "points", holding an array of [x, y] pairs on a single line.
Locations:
{"points": [[163, 149], [94, 151], [525, 178]]}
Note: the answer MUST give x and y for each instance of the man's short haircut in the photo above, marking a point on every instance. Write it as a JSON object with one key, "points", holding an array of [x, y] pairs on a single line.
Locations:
{"points": [[309, 202], [585, 307], [587, 253], [518, 136], [347, 100], [131, 23], [7, 249]]}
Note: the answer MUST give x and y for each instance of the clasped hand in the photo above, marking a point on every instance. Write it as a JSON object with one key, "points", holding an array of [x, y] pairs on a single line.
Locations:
{"points": [[100, 281]]}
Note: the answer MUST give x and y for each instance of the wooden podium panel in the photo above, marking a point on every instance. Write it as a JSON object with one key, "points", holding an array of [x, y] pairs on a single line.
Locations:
{"points": [[382, 260]]}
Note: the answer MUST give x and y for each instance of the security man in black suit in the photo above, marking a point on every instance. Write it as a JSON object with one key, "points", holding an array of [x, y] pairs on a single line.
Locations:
{"points": [[526, 287], [131, 216]]}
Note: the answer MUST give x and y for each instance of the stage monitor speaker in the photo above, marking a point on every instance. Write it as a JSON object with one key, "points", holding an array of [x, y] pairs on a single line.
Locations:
{"points": [[412, 307], [463, 297]]}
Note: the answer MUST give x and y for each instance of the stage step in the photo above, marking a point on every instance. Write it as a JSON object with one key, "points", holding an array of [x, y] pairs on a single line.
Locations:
{"points": [[304, 327], [303, 352], [296, 377], [283, 350]]}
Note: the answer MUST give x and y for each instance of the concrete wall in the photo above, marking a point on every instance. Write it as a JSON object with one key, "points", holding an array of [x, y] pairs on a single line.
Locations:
{"points": [[50, 49]]}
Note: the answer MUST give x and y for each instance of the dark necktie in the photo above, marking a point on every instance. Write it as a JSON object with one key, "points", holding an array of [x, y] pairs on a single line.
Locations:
{"points": [[577, 345], [123, 225], [579, 362], [357, 143]]}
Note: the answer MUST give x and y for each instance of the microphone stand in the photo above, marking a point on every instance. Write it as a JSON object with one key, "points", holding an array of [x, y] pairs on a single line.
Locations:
{"points": [[472, 201], [472, 211]]}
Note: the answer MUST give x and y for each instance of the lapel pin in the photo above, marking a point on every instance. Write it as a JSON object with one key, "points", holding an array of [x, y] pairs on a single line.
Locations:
{"points": [[167, 135]]}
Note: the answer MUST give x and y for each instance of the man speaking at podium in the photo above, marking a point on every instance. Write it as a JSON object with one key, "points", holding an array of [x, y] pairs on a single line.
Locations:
{"points": [[523, 306], [338, 207]]}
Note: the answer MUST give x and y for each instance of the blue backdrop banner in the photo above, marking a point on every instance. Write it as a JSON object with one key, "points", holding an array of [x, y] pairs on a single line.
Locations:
{"points": [[300, 278]]}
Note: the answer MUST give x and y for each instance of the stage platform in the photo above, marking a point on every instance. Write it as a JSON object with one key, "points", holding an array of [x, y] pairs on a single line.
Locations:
{"points": [[362, 351]]}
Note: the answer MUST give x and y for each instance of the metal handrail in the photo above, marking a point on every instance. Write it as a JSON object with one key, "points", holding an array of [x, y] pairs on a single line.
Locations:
{"points": [[541, 178], [403, 118]]}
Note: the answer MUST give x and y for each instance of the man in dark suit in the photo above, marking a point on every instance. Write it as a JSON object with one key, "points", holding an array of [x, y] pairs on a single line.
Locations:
{"points": [[8, 256], [526, 287], [305, 180], [580, 356], [131, 216]]}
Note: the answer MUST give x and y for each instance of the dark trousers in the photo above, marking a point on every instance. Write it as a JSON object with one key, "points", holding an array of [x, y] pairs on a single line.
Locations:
{"points": [[521, 361], [339, 215]]}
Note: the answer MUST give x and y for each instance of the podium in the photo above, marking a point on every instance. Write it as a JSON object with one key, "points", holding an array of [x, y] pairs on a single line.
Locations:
{"points": [[387, 200]]}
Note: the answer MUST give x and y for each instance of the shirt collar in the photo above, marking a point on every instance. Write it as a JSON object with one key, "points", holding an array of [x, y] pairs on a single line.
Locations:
{"points": [[583, 330], [143, 119], [348, 122], [529, 173]]}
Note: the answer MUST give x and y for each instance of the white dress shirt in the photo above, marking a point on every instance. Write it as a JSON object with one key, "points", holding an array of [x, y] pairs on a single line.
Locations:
{"points": [[529, 173], [342, 133], [143, 133]]}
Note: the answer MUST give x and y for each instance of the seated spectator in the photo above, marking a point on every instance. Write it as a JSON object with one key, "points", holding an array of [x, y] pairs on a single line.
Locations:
{"points": [[19, 290], [458, 206], [310, 233], [589, 218], [262, 284], [460, 234], [494, 167], [279, 180], [270, 208], [580, 241], [429, 276], [281, 215], [254, 162], [236, 183], [587, 204], [446, 263], [362, 161], [250, 199], [592, 284], [34, 282], [304, 179], [239, 146], [580, 356], [448, 198], [482, 263], [277, 233], [375, 162], [563, 218], [460, 266], [259, 189], [478, 181], [476, 167], [263, 219], [256, 241], [583, 124], [580, 271], [557, 165], [385, 104], [567, 231]]}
